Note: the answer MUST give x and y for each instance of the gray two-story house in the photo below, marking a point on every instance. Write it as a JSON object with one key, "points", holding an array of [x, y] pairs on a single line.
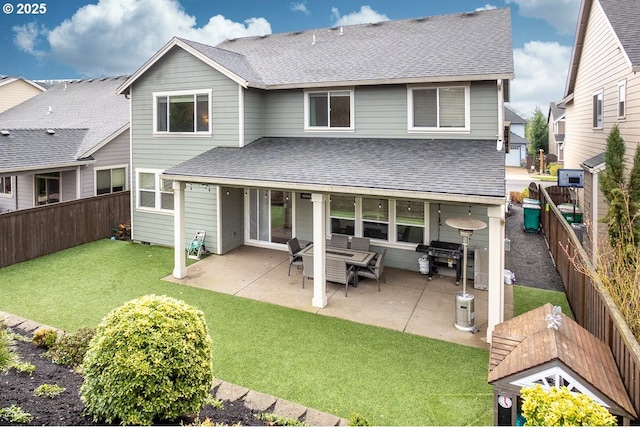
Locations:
{"points": [[381, 130]]}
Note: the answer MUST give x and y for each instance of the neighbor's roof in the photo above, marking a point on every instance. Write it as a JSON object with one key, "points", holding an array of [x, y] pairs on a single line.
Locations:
{"points": [[515, 139], [33, 149], [555, 111], [463, 46], [5, 80], [526, 341], [512, 116], [87, 104], [320, 164], [624, 17]]}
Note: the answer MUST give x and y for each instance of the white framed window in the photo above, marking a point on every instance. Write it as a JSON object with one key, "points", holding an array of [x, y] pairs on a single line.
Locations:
{"points": [[329, 110], [438, 108], [622, 98], [400, 222], [111, 180], [6, 186], [153, 192], [597, 110], [182, 112], [47, 188]]}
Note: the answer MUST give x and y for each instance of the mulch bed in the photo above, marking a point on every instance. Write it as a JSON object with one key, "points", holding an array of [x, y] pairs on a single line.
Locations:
{"points": [[16, 388]]}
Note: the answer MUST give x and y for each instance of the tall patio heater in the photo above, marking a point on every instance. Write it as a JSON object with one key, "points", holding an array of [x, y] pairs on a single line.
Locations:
{"points": [[465, 311]]}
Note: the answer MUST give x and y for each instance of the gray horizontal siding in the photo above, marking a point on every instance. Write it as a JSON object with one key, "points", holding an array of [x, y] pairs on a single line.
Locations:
{"points": [[115, 153], [380, 112]]}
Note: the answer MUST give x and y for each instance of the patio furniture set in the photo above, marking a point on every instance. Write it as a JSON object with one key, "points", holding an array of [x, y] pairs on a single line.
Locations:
{"points": [[347, 259]]}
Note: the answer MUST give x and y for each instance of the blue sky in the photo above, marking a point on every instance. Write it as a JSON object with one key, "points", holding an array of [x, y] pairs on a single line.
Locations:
{"points": [[72, 39]]}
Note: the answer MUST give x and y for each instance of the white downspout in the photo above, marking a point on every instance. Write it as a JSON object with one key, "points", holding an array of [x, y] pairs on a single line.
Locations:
{"points": [[500, 142], [78, 182]]}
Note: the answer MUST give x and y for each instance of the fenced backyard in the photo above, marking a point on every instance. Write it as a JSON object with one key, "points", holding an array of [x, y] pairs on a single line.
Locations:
{"points": [[31, 233], [590, 302]]}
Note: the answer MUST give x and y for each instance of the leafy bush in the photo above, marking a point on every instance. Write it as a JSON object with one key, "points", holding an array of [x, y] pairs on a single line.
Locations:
{"points": [[15, 414], [560, 407], [45, 338], [358, 420], [553, 168], [24, 367], [6, 355], [525, 193], [48, 390], [149, 360], [70, 349]]}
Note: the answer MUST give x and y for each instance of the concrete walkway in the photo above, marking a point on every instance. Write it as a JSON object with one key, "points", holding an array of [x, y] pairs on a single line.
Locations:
{"points": [[223, 390]]}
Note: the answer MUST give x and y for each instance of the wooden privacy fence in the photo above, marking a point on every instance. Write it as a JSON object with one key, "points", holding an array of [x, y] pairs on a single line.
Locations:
{"points": [[590, 302], [31, 233]]}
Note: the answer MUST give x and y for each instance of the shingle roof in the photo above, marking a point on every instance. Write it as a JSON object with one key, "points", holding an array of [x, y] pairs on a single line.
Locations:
{"points": [[555, 111], [446, 46], [515, 139], [594, 161], [435, 166], [88, 104], [624, 16], [512, 116], [38, 148]]}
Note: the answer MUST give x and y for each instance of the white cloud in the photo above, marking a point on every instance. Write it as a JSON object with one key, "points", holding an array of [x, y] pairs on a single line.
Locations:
{"points": [[117, 36], [366, 15], [541, 73], [486, 7], [560, 14], [300, 7]]}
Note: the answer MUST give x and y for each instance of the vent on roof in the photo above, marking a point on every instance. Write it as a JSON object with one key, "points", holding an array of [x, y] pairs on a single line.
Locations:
{"points": [[50, 110], [5, 132], [423, 19], [468, 14], [51, 131], [376, 24]]}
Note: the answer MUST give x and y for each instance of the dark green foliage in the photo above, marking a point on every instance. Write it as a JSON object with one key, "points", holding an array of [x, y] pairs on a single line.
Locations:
{"points": [[45, 338], [150, 360], [70, 349], [613, 175], [537, 132]]}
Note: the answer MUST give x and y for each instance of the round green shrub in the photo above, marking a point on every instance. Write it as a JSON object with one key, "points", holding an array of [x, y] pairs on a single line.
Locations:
{"points": [[553, 168], [69, 349], [44, 338], [150, 360]]}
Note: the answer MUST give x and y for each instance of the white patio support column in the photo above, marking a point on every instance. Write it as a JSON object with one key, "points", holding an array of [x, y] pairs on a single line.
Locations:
{"points": [[319, 248], [179, 261], [495, 303]]}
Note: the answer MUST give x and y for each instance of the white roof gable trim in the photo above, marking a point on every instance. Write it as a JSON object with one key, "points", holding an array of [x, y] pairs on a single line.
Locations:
{"points": [[556, 376], [175, 41], [13, 79]]}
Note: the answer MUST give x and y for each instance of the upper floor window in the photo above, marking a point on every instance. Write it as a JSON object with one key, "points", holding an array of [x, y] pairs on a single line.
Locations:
{"points": [[441, 108], [329, 110], [153, 191], [622, 95], [182, 112], [111, 180], [597, 110]]}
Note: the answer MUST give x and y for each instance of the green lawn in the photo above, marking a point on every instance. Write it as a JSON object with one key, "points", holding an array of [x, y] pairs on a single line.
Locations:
{"points": [[333, 365]]}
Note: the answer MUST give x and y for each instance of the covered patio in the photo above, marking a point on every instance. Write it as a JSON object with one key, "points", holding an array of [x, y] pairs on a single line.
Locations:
{"points": [[407, 302]]}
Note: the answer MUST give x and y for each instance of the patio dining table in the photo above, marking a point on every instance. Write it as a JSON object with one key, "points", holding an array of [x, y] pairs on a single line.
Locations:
{"points": [[351, 257]]}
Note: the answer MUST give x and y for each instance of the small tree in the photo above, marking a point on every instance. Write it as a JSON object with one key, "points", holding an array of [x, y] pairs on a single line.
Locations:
{"points": [[560, 407], [537, 133], [623, 198]]}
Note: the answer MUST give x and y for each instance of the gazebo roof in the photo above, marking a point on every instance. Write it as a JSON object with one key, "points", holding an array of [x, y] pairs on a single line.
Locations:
{"points": [[527, 342]]}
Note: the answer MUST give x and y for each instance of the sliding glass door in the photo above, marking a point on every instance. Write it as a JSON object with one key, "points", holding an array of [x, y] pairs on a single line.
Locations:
{"points": [[270, 216]]}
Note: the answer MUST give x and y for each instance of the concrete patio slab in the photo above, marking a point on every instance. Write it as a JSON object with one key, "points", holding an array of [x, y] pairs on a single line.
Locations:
{"points": [[406, 302]]}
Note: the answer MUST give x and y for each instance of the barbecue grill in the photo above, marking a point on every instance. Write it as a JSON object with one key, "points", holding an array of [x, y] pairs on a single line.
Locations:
{"points": [[443, 253]]}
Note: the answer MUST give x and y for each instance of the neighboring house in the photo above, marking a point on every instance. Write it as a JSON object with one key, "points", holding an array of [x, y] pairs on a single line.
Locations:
{"points": [[603, 89], [380, 130], [555, 124], [69, 142], [14, 90], [517, 155]]}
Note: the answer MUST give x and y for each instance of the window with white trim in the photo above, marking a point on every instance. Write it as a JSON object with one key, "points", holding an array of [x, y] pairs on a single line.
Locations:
{"points": [[439, 108], [409, 221], [622, 95], [182, 112], [342, 214], [375, 218], [111, 180], [597, 110], [154, 192], [329, 110], [6, 186]]}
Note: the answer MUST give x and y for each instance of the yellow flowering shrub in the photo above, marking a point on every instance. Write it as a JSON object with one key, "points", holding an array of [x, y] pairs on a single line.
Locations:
{"points": [[560, 407]]}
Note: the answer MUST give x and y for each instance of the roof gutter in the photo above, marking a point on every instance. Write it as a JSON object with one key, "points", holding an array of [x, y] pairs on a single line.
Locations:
{"points": [[36, 168], [325, 188]]}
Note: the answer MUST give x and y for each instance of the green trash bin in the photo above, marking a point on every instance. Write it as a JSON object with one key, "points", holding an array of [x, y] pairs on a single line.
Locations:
{"points": [[566, 209], [531, 217], [527, 201]]}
